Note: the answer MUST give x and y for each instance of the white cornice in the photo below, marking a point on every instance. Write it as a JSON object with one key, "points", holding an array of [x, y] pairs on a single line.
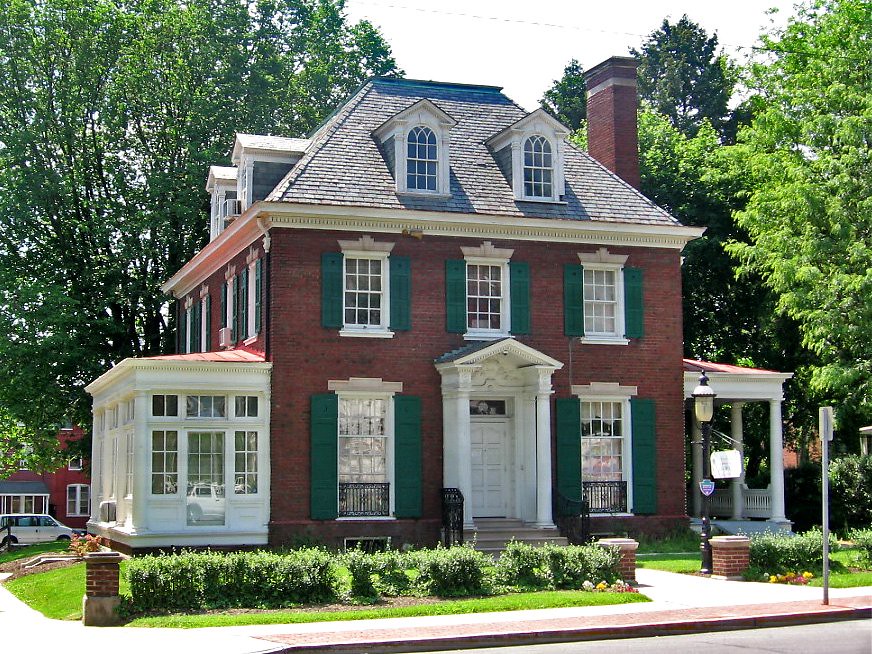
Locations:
{"points": [[244, 230]]}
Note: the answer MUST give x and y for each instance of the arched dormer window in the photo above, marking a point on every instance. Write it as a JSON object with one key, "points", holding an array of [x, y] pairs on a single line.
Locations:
{"points": [[421, 160], [538, 167]]}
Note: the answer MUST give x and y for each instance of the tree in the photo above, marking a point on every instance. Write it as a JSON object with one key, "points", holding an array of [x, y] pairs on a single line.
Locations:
{"points": [[110, 114], [566, 100], [682, 77], [807, 160]]}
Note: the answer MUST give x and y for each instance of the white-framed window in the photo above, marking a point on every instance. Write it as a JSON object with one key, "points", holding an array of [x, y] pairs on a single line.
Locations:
{"points": [[485, 296], [205, 495], [164, 462], [364, 294], [113, 478], [75, 463], [245, 463], [246, 406], [538, 168], [422, 160], [204, 311], [251, 296], [229, 313], [603, 302], [205, 406], [189, 324], [164, 406], [78, 500], [128, 486], [364, 455]]}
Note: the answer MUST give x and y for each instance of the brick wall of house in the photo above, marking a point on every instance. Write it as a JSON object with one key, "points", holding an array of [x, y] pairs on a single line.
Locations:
{"points": [[305, 356]]}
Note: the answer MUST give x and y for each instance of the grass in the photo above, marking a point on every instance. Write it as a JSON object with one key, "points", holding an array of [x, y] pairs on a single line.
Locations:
{"points": [[32, 550], [845, 579], [56, 593], [680, 540], [513, 602], [682, 563]]}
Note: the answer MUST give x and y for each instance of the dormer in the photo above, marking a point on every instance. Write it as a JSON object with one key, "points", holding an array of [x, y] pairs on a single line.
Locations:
{"points": [[263, 161], [530, 155], [221, 186], [416, 144]]}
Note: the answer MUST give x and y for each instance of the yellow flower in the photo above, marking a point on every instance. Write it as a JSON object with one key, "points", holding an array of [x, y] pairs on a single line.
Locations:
{"points": [[773, 579], [601, 585], [807, 575]]}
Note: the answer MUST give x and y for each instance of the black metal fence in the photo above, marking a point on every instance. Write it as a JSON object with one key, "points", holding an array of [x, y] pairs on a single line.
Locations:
{"points": [[572, 518], [452, 517], [364, 499], [605, 496]]}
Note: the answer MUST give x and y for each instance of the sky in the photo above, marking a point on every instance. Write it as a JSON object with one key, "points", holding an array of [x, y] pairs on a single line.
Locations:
{"points": [[524, 46]]}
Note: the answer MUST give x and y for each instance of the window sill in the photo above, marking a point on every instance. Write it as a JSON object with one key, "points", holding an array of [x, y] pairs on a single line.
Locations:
{"points": [[604, 340], [366, 333], [542, 201], [367, 518], [472, 335], [250, 340], [425, 194]]}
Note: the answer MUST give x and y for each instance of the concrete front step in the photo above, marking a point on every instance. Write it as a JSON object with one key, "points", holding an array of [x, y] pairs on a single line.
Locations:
{"points": [[492, 534]]}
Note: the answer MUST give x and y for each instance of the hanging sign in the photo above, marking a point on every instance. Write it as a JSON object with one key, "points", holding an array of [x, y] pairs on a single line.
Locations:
{"points": [[707, 487], [726, 464]]}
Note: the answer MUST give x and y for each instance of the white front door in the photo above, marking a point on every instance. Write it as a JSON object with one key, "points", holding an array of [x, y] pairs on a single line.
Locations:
{"points": [[489, 467]]}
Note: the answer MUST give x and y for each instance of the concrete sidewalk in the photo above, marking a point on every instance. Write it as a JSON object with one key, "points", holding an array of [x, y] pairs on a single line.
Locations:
{"points": [[681, 604]]}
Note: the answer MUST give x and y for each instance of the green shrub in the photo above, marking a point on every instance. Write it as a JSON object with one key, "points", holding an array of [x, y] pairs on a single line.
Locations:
{"points": [[571, 566], [523, 566], [862, 540], [452, 572], [851, 492], [362, 567], [777, 553], [201, 580], [391, 576]]}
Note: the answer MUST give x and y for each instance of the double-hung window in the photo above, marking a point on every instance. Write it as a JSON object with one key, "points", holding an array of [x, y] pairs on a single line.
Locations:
{"points": [[602, 307], [78, 499], [486, 298], [421, 160], [365, 302], [164, 462], [538, 168]]}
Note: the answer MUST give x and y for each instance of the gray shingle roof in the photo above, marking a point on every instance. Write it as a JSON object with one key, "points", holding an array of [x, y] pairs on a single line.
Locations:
{"points": [[343, 164], [23, 488], [461, 352]]}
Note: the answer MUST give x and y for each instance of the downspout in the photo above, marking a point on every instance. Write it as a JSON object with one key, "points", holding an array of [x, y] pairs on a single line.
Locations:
{"points": [[267, 326]]}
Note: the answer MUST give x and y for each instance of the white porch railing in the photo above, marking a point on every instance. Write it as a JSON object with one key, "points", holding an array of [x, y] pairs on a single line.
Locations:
{"points": [[757, 501]]}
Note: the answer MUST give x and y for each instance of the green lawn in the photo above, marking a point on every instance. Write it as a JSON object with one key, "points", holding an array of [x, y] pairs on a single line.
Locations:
{"points": [[56, 593], [683, 563], [512, 602], [32, 550]]}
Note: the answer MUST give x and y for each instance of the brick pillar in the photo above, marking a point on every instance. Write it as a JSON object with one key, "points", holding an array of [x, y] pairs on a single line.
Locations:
{"points": [[628, 549], [731, 556], [101, 600]]}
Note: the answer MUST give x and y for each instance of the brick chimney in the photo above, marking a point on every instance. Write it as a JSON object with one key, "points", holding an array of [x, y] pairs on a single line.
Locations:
{"points": [[612, 131]]}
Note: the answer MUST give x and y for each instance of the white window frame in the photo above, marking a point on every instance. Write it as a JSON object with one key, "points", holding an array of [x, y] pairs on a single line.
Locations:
{"points": [[75, 464], [245, 452], [165, 415], [189, 310], [228, 306], [367, 248], [408, 160], [77, 500], [203, 309], [488, 255], [552, 154], [128, 484], [245, 415], [164, 473], [199, 404], [603, 260], [613, 392], [250, 332]]}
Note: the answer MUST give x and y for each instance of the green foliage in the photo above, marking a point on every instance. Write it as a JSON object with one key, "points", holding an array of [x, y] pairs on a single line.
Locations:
{"points": [[851, 492], [778, 553], [806, 158], [200, 580], [802, 496], [362, 567], [682, 77], [566, 100], [110, 115], [391, 573], [862, 540], [453, 572], [524, 566], [682, 539]]}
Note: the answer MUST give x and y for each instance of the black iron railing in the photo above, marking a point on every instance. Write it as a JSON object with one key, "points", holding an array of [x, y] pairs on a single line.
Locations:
{"points": [[452, 517], [356, 500], [605, 496], [572, 517]]}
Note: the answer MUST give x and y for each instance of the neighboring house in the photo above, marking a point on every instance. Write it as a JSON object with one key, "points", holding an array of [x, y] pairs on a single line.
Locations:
{"points": [[64, 493], [433, 290]]}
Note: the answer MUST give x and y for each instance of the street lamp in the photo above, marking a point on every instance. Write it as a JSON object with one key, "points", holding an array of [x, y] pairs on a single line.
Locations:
{"points": [[703, 411]]}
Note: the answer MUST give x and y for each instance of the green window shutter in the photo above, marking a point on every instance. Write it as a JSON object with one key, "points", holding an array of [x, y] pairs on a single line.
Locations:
{"points": [[208, 318], [234, 313], [324, 482], [192, 335], [198, 318], [407, 456], [569, 447], [455, 295], [644, 456], [573, 300], [634, 323], [243, 304], [258, 293], [331, 290], [401, 293], [183, 329], [223, 317], [519, 284]]}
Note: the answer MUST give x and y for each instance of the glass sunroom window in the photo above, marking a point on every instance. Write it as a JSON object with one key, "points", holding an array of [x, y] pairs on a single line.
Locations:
{"points": [[538, 168], [421, 160]]}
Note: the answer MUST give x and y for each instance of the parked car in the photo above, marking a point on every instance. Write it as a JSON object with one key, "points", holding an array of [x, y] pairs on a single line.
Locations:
{"points": [[29, 528]]}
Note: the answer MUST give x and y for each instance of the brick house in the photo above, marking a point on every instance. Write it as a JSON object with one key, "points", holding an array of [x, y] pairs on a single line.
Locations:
{"points": [[433, 290]]}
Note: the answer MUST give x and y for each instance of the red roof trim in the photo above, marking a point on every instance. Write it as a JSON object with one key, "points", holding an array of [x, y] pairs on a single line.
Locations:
{"points": [[694, 365], [224, 356]]}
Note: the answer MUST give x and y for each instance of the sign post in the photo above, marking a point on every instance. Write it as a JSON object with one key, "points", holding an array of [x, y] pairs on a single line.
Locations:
{"points": [[825, 427]]}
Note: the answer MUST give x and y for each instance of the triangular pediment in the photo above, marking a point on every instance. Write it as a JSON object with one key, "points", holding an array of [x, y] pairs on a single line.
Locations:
{"points": [[423, 111], [534, 122], [477, 353]]}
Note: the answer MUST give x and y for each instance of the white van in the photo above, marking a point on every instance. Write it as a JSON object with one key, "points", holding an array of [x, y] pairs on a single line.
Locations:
{"points": [[28, 528]]}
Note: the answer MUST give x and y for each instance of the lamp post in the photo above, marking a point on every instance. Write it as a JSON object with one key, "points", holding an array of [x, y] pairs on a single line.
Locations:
{"points": [[703, 411]]}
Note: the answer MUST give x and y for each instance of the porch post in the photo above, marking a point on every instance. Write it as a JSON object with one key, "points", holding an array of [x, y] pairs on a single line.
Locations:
{"points": [[776, 463], [543, 453], [141, 481], [457, 451], [739, 482], [696, 473]]}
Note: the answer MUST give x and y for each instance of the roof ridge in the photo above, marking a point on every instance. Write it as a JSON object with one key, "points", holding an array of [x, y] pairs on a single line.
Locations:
{"points": [[405, 81]]}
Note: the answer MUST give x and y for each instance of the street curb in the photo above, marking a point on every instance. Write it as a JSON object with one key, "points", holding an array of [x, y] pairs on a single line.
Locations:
{"points": [[676, 628]]}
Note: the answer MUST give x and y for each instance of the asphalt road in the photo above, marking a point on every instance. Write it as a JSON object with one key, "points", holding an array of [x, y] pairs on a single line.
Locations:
{"points": [[854, 637]]}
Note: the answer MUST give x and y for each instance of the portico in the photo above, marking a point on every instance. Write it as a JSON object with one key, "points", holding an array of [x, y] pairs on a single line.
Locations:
{"points": [[738, 386], [497, 430]]}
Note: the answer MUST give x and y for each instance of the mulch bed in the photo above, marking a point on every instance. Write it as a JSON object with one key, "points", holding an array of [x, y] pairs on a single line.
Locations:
{"points": [[17, 569]]}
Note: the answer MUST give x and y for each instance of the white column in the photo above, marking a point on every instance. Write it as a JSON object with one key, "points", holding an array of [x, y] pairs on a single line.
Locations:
{"points": [[776, 463], [457, 450], [543, 460], [141, 467], [696, 472], [738, 444]]}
